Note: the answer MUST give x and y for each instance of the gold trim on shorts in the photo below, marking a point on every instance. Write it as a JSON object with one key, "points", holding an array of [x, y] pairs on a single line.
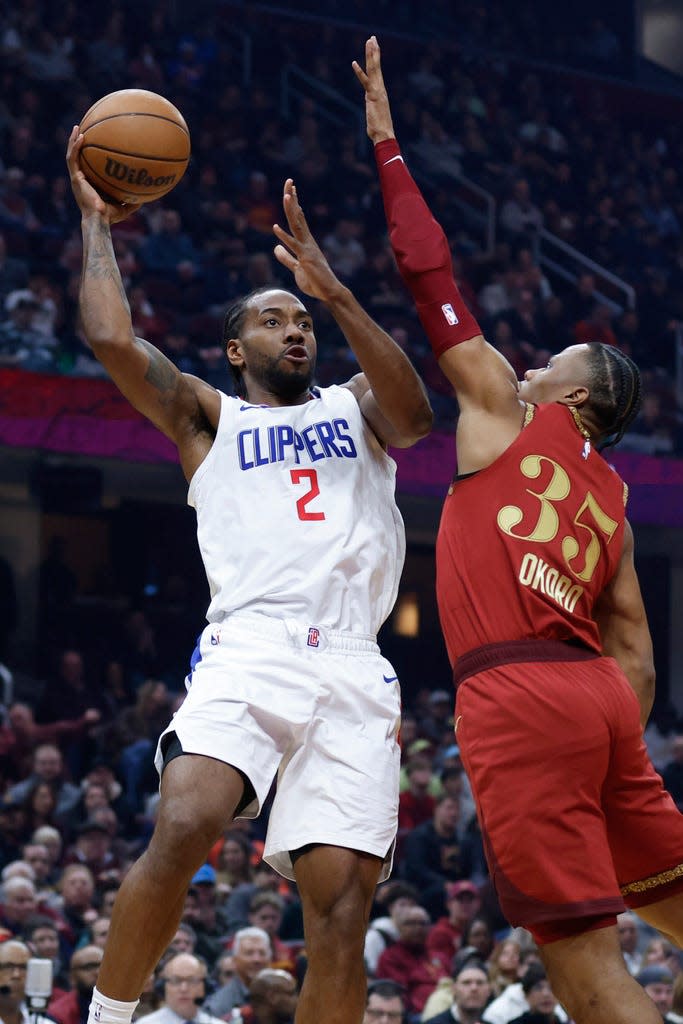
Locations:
{"points": [[653, 881]]}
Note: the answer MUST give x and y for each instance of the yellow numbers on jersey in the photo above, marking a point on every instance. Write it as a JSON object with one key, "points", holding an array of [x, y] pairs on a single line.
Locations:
{"points": [[581, 564]]}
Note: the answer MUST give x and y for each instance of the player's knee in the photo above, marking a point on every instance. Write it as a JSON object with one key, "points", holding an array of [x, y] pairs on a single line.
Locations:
{"points": [[338, 924], [188, 825]]}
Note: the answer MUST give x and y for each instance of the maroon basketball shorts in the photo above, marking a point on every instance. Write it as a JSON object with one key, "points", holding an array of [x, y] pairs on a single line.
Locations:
{"points": [[575, 820]]}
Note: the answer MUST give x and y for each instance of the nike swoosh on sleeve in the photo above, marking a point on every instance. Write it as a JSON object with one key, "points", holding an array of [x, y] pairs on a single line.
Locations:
{"points": [[399, 157]]}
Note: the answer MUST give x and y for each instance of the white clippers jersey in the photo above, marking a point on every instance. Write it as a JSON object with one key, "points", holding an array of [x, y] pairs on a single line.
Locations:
{"points": [[296, 516]]}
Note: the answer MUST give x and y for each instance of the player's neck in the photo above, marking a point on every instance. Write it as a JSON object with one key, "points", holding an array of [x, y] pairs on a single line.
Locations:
{"points": [[261, 396]]}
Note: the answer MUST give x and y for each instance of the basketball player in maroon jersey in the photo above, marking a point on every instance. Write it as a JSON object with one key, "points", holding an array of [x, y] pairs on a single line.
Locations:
{"points": [[545, 627]]}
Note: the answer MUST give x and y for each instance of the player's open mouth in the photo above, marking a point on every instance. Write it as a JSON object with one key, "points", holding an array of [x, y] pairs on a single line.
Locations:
{"points": [[296, 353]]}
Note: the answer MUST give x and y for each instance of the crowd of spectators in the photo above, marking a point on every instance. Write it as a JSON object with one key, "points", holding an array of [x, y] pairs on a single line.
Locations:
{"points": [[608, 185], [78, 805], [76, 775]]}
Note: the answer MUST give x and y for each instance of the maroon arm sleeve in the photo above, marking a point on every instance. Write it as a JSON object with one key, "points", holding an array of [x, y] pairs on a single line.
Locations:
{"points": [[422, 254]]}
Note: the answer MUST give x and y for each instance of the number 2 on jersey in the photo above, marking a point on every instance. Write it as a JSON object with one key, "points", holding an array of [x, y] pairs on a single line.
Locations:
{"points": [[310, 475]]}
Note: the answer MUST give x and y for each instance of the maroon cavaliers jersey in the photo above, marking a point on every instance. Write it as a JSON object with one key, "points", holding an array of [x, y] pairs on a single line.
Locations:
{"points": [[526, 545]]}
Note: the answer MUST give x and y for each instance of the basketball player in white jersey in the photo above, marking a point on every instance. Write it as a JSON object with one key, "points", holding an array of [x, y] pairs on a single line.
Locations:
{"points": [[303, 547]]}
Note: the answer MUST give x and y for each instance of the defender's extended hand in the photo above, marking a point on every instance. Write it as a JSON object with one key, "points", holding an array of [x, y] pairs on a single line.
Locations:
{"points": [[89, 201], [377, 109], [300, 252]]}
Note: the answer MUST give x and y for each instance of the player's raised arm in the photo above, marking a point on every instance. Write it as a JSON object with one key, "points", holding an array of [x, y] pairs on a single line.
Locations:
{"points": [[484, 381], [390, 393], [176, 404]]}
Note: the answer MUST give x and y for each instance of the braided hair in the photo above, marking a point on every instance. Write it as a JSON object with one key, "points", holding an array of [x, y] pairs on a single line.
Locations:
{"points": [[232, 325], [615, 391]]}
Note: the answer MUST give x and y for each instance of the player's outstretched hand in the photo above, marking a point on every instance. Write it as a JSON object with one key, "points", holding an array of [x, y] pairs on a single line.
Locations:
{"points": [[377, 109], [89, 201], [300, 252]]}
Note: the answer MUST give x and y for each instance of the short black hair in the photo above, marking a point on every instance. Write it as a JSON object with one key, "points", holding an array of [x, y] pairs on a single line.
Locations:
{"points": [[534, 975], [386, 989], [615, 391], [233, 324]]}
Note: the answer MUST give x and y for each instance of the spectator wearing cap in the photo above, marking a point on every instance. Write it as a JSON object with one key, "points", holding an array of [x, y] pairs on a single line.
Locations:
{"points": [[445, 937], [513, 1003], [439, 715], [435, 855], [408, 961], [470, 992], [72, 1007], [383, 931], [93, 848], [200, 912], [658, 982], [539, 996]]}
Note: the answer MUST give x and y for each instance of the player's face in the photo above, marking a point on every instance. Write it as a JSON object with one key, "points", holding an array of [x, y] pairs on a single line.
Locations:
{"points": [[564, 379], [277, 344]]}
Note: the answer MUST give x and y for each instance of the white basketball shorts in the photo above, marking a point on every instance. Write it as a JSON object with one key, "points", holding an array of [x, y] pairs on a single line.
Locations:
{"points": [[318, 708]]}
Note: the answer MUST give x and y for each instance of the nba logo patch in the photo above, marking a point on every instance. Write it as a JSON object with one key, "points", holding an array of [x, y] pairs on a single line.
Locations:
{"points": [[215, 637], [449, 313], [98, 1011], [313, 637]]}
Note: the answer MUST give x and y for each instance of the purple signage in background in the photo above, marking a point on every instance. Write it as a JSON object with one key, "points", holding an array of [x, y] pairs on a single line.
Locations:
{"points": [[91, 418], [655, 484]]}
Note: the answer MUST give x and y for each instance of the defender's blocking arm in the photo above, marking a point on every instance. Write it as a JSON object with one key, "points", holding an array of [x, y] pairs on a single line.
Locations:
{"points": [[483, 380]]}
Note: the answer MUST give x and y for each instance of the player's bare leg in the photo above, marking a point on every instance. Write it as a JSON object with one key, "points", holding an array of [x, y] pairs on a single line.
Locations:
{"points": [[198, 799], [666, 916], [336, 888], [588, 975]]}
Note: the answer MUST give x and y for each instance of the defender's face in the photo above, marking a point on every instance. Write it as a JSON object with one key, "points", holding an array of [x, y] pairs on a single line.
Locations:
{"points": [[277, 348], [565, 374]]}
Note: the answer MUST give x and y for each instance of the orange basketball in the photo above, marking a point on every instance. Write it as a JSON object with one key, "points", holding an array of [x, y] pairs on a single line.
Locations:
{"points": [[136, 146]]}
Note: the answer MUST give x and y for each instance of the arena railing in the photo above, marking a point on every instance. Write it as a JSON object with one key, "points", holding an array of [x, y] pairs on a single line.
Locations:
{"points": [[297, 85], [478, 206], [550, 250]]}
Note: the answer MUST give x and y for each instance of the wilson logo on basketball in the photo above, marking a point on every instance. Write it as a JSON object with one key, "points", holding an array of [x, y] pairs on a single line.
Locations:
{"points": [[118, 171]]}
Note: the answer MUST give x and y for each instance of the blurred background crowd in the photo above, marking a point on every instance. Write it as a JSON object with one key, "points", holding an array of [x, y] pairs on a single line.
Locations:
{"points": [[268, 96], [563, 164]]}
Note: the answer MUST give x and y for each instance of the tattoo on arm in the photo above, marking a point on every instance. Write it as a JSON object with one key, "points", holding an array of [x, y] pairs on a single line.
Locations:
{"points": [[100, 262], [161, 373]]}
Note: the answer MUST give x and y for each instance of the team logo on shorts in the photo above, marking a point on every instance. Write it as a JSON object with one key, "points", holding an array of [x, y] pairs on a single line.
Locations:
{"points": [[313, 637], [98, 1011], [215, 637]]}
